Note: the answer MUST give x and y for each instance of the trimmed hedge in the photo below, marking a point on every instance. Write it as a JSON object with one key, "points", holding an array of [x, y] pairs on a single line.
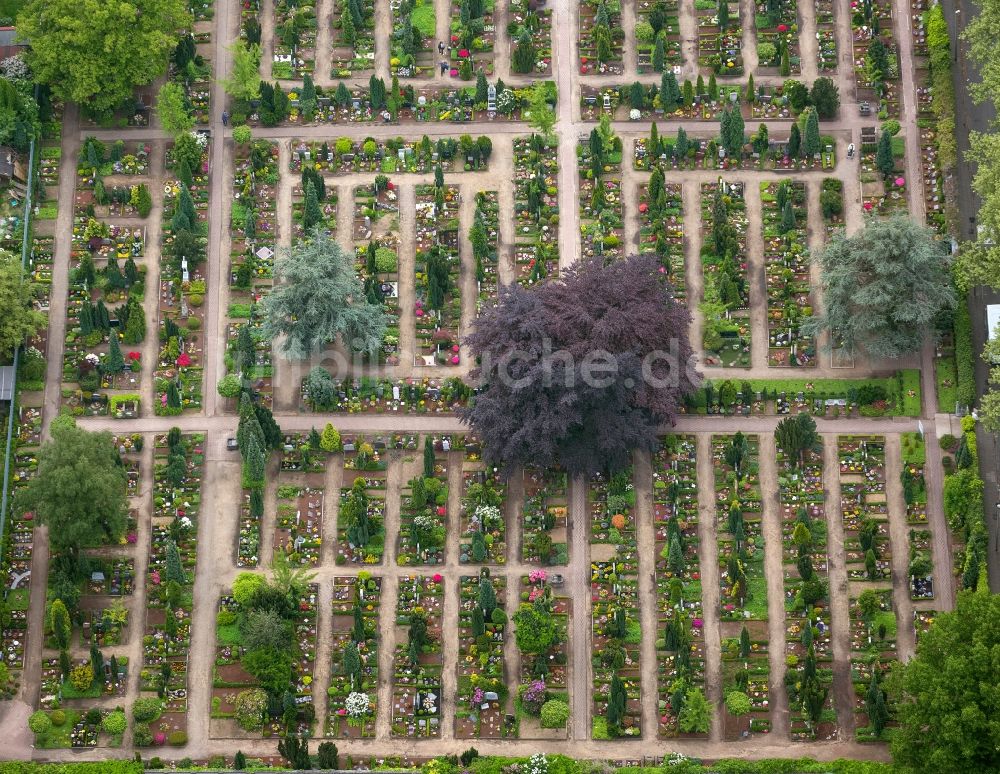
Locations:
{"points": [[965, 364]]}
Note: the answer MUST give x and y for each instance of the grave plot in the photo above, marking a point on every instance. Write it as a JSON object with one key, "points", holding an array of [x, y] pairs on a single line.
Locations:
{"points": [[353, 38], [179, 370], [248, 535], [914, 485], [470, 46], [419, 658], [481, 673], [413, 28], [546, 609], [809, 652], [190, 69], [529, 28], [423, 518], [262, 652], [615, 630], [876, 59], [726, 302], [298, 528], [831, 200], [253, 235], [484, 236], [545, 533], [313, 204], [658, 46], [105, 616], [178, 466], [345, 156], [923, 620], [743, 625], [294, 40], [107, 280], [40, 265], [786, 268], [883, 170], [536, 205], [826, 36], [777, 38], [438, 304], [864, 509], [482, 519], [77, 727], [304, 453], [681, 706], [661, 228], [355, 648], [376, 246], [873, 649], [361, 519], [720, 39], [601, 226], [601, 38]]}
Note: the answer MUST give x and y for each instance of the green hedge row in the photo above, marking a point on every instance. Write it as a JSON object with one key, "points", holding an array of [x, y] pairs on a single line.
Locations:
{"points": [[965, 364]]}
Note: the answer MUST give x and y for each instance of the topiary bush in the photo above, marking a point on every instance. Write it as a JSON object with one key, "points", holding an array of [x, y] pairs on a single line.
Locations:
{"points": [[58, 717], [177, 738], [40, 723], [555, 713], [141, 735], [114, 723], [146, 709]]}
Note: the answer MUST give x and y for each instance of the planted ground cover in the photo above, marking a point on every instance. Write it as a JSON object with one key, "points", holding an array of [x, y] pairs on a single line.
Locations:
{"points": [[353, 52], [826, 36], [313, 204], [873, 649], [354, 651], [786, 267], [616, 631], [361, 518], [481, 673], [681, 706], [876, 57], [419, 658], [726, 302], [536, 209], [376, 246], [544, 537], [808, 636], [482, 519], [600, 163], [472, 34], [864, 508], [438, 304], [914, 484], [743, 598], [777, 38], [423, 518], [661, 229], [413, 29], [883, 172]]}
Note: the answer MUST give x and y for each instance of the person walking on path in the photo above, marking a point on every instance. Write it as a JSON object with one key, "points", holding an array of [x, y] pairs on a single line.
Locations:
{"points": [[225, 118]]}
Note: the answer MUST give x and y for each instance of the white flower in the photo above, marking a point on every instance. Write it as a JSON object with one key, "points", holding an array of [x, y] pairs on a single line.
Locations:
{"points": [[14, 68], [537, 764], [357, 704]]}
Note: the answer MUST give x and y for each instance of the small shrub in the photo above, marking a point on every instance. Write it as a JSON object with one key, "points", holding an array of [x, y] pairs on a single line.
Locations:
{"points": [[58, 717], [555, 713], [145, 709], [40, 723], [177, 738]]}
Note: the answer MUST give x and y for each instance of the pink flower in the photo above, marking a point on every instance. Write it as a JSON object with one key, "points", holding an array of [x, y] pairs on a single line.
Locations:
{"points": [[453, 72], [184, 360], [160, 738], [442, 511], [454, 347], [782, 28], [134, 355], [437, 577], [464, 53], [156, 577], [455, 360], [420, 312]]}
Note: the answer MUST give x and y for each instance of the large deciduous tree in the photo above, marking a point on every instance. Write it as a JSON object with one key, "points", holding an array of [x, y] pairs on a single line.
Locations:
{"points": [[582, 371], [883, 287], [79, 490], [18, 319], [946, 697], [97, 51], [319, 300]]}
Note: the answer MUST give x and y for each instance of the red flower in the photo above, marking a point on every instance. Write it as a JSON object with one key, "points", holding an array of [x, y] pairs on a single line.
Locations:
{"points": [[184, 360], [442, 511], [464, 53], [782, 28], [134, 356], [454, 38], [437, 578]]}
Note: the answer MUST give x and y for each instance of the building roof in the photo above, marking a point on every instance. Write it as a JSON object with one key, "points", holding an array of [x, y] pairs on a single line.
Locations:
{"points": [[6, 382], [992, 318]]}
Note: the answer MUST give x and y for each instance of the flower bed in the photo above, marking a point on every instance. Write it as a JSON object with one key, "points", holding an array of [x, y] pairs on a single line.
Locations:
{"points": [[438, 304], [482, 519], [681, 648], [527, 17], [413, 28], [876, 57], [601, 37], [536, 209], [743, 628], [409, 396], [726, 301], [864, 508], [355, 655], [481, 676], [659, 43], [719, 40], [484, 238], [327, 211], [470, 46], [419, 658], [808, 638], [661, 228], [786, 268], [615, 632], [778, 38], [826, 36], [541, 624], [544, 536], [873, 649], [294, 40]]}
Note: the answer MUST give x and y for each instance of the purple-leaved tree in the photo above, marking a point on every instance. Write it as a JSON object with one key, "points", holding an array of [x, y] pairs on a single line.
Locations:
{"points": [[582, 371]]}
